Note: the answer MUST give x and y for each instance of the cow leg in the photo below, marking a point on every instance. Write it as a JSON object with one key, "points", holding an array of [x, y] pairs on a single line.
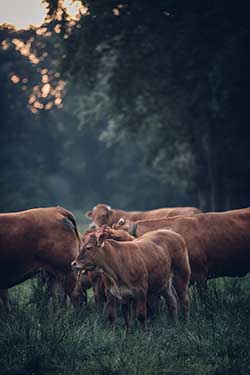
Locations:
{"points": [[98, 300], [153, 304], [171, 301], [132, 310], [83, 297], [181, 287], [112, 310], [126, 314], [5, 299], [69, 287], [99, 296], [141, 308], [51, 285], [80, 294]]}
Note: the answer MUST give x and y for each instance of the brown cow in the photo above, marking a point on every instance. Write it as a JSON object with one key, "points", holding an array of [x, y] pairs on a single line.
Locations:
{"points": [[218, 242], [125, 274], [160, 261], [175, 249], [104, 214], [38, 239], [95, 279]]}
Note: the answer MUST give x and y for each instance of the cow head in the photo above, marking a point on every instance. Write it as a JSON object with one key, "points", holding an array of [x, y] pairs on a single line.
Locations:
{"points": [[88, 257], [91, 257], [87, 234], [100, 214], [124, 224]]}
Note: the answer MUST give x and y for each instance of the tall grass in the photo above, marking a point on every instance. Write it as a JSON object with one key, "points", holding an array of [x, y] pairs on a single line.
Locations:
{"points": [[47, 338]]}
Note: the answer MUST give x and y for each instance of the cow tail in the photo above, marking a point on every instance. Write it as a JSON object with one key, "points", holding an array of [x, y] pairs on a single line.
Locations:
{"points": [[72, 219]]}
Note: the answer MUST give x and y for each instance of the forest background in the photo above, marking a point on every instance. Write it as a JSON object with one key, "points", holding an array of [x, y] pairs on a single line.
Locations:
{"points": [[130, 104]]}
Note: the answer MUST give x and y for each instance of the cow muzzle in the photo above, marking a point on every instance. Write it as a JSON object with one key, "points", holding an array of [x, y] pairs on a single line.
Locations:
{"points": [[93, 226], [76, 267]]}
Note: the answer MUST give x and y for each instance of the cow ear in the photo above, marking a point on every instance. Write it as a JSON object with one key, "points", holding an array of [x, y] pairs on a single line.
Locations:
{"points": [[88, 214], [101, 238], [109, 210]]}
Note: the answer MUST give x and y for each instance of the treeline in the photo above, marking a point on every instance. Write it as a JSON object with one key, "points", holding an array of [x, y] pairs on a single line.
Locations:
{"points": [[155, 107], [174, 75], [45, 157]]}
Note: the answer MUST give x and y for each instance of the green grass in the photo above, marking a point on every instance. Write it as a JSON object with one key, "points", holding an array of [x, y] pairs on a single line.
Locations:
{"points": [[42, 338]]}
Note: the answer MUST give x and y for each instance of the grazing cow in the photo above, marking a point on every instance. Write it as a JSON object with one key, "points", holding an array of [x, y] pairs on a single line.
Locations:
{"points": [[104, 214], [218, 242], [118, 259], [96, 280], [123, 270], [38, 239]]}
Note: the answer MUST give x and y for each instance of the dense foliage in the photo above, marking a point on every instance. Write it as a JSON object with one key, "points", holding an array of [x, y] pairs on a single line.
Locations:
{"points": [[175, 76], [47, 158], [155, 107]]}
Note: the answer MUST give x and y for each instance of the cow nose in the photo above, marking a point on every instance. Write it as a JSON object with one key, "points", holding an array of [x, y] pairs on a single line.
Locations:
{"points": [[92, 226]]}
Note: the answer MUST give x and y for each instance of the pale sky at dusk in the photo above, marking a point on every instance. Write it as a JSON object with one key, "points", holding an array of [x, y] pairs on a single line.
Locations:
{"points": [[22, 13]]}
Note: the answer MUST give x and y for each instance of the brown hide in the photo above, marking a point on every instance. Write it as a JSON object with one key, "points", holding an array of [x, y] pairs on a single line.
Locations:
{"points": [[123, 269], [96, 279], [173, 246], [38, 239], [104, 214], [124, 262], [218, 242]]}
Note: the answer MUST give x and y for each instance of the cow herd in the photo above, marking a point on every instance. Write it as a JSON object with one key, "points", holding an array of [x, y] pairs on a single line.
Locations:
{"points": [[131, 259]]}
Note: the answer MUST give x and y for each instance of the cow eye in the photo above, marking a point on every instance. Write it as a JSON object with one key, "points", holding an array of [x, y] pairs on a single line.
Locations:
{"points": [[88, 247], [121, 221]]}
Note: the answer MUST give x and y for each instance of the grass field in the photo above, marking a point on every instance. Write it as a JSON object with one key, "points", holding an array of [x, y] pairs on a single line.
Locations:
{"points": [[42, 338]]}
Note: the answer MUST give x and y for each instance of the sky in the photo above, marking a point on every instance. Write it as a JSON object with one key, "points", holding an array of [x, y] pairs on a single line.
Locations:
{"points": [[23, 13]]}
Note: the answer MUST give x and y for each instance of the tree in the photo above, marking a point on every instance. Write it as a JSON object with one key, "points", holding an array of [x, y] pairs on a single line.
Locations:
{"points": [[170, 74]]}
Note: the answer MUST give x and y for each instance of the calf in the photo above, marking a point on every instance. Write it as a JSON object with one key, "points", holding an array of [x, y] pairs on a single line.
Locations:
{"points": [[160, 262], [104, 214], [38, 239], [176, 252], [124, 272], [218, 242], [95, 279]]}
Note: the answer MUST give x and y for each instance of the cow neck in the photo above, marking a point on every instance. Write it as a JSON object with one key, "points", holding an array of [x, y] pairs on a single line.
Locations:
{"points": [[137, 230], [148, 226], [116, 272], [104, 263]]}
